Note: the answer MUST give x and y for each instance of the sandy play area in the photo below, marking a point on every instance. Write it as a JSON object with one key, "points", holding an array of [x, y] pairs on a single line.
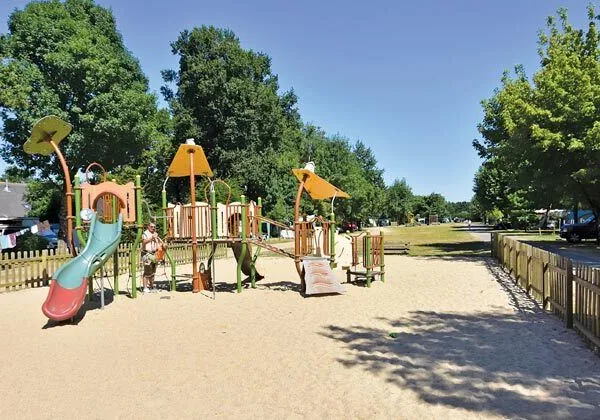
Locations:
{"points": [[467, 345]]}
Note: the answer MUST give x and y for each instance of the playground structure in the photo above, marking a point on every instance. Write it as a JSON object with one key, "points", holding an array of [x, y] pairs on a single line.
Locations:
{"points": [[373, 260], [433, 219], [239, 225], [107, 208]]}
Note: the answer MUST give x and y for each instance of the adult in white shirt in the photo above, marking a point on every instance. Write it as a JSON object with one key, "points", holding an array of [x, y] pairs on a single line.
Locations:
{"points": [[150, 244]]}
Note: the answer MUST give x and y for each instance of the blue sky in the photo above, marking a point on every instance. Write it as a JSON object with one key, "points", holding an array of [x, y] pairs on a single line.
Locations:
{"points": [[406, 78]]}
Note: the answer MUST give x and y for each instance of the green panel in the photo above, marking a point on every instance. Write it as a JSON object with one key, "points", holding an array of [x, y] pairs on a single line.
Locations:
{"points": [[103, 240]]}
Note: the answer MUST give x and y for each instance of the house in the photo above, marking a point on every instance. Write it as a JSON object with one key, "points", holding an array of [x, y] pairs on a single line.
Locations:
{"points": [[13, 208]]}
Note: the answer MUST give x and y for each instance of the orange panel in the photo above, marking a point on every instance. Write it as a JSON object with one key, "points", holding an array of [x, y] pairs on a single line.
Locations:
{"points": [[125, 193], [317, 187]]}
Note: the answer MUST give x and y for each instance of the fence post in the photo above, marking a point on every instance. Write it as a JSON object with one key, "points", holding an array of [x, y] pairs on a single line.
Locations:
{"points": [[569, 295], [544, 269]]}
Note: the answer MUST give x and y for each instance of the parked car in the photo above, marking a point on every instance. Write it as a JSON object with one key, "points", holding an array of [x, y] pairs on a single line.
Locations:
{"points": [[383, 221], [51, 237], [348, 226], [575, 232], [501, 225]]}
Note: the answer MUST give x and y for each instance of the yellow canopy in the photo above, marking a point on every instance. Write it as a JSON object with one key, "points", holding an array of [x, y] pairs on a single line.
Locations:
{"points": [[50, 127], [317, 187], [180, 166]]}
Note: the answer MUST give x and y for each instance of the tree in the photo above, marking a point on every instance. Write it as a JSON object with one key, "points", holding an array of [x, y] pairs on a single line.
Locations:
{"points": [[374, 176], [544, 135], [435, 204], [399, 200], [226, 98], [69, 60]]}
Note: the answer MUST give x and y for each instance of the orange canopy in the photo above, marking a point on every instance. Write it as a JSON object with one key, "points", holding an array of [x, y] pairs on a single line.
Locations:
{"points": [[48, 128], [317, 187], [180, 166]]}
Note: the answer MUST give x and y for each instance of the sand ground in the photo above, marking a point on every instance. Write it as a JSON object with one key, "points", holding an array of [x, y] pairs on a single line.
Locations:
{"points": [[468, 345]]}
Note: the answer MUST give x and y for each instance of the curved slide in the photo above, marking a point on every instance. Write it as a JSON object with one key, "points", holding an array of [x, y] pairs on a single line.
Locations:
{"points": [[247, 263], [69, 285]]}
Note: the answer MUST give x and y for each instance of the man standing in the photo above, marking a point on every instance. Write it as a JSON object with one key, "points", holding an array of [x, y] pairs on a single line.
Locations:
{"points": [[150, 243]]}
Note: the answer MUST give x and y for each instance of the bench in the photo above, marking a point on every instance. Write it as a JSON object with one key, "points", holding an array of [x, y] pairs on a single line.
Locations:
{"points": [[396, 248]]}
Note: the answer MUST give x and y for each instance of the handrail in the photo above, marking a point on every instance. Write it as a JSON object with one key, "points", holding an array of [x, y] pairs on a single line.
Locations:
{"points": [[272, 222], [208, 184], [92, 165]]}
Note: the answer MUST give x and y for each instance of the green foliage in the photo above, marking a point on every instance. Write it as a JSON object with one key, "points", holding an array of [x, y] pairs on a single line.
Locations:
{"points": [[227, 98], [399, 201], [494, 215], [45, 199], [540, 137], [30, 242], [69, 60]]}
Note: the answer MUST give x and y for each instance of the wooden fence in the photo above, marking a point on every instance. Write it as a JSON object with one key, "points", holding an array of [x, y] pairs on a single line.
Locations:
{"points": [[21, 270], [571, 290]]}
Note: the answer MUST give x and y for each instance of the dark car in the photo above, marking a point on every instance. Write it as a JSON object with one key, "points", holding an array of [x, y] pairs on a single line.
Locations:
{"points": [[502, 226], [51, 237], [383, 221], [575, 232]]}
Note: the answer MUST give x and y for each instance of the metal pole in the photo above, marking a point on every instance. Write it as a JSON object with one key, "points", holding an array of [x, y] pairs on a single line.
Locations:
{"points": [[171, 262], [297, 258], [332, 240], [134, 249], [214, 232], [195, 276], [243, 252], [164, 211], [115, 257], [102, 288], [69, 195]]}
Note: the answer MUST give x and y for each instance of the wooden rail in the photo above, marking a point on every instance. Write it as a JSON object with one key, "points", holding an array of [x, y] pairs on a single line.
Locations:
{"points": [[570, 290], [21, 270]]}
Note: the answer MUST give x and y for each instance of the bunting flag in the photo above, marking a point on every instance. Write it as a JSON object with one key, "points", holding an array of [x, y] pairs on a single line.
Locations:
{"points": [[10, 241]]}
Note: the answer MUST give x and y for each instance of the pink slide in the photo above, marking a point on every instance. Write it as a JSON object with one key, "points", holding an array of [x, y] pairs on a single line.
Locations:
{"points": [[69, 284], [63, 303]]}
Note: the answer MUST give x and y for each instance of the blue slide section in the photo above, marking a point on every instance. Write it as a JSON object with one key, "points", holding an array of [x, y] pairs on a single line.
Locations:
{"points": [[67, 291]]}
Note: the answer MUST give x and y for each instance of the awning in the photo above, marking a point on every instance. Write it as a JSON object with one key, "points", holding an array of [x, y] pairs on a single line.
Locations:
{"points": [[317, 187], [50, 127], [180, 166]]}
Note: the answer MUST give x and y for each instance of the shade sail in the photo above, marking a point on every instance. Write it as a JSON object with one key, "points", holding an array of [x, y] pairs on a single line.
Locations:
{"points": [[317, 187], [50, 127], [180, 166]]}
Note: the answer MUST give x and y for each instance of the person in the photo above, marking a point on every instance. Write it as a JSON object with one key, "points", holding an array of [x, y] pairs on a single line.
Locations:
{"points": [[150, 244], [469, 223]]}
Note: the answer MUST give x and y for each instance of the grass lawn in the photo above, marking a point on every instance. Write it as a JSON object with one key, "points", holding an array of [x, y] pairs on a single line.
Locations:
{"points": [[437, 240]]}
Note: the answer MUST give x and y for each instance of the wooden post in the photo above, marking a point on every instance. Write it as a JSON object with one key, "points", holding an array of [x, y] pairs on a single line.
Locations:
{"points": [[569, 295], [367, 257], [382, 261], [544, 269]]}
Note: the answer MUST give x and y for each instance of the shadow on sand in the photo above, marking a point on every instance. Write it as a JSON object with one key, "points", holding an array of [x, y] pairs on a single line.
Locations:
{"points": [[485, 362]]}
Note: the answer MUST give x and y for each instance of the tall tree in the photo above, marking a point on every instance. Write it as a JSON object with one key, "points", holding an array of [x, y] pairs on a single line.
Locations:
{"points": [[399, 201], [69, 60], [545, 134], [226, 98]]}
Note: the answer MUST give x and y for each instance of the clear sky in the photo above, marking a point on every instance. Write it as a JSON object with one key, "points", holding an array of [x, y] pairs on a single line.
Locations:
{"points": [[405, 77]]}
